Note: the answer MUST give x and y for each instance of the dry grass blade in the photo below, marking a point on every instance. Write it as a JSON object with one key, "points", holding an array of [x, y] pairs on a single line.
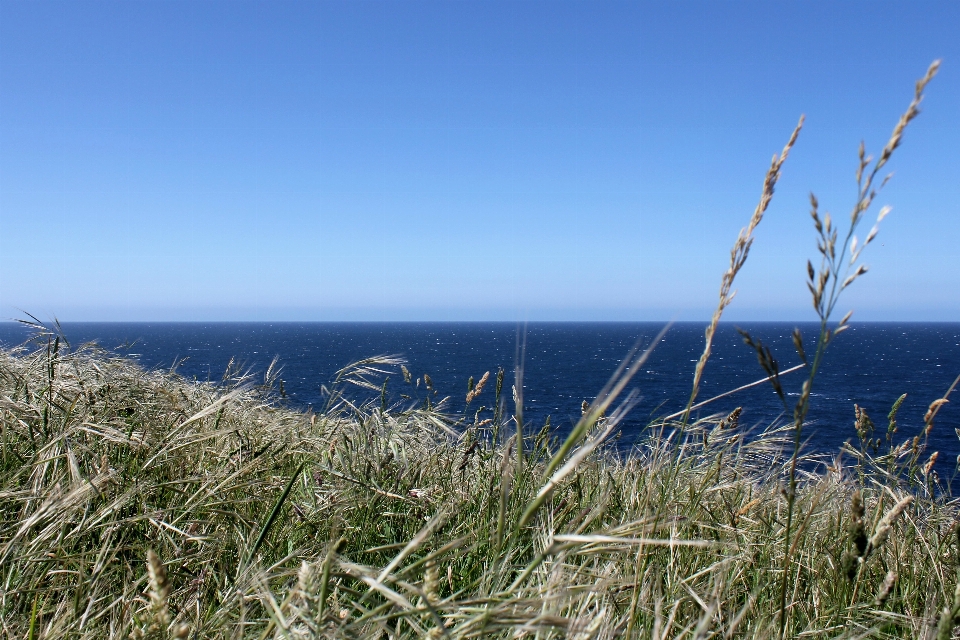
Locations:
{"points": [[617, 540], [738, 257]]}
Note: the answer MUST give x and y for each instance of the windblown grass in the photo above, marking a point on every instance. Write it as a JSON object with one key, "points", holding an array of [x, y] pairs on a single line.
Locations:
{"points": [[137, 504]]}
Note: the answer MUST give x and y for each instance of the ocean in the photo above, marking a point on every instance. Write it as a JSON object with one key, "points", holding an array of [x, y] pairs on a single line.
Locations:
{"points": [[871, 364]]}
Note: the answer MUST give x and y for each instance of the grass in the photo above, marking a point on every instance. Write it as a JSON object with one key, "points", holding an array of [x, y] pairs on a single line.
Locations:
{"points": [[135, 503]]}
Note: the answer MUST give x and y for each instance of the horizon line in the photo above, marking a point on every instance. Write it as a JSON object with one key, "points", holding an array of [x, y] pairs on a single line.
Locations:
{"points": [[26, 323]]}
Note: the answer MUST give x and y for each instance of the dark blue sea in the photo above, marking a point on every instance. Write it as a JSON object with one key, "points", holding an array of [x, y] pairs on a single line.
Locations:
{"points": [[566, 363]]}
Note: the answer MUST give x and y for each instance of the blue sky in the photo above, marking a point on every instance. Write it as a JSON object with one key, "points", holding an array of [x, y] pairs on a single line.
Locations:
{"points": [[463, 160]]}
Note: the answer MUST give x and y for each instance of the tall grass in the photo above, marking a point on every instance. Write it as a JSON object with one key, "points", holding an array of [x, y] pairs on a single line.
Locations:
{"points": [[135, 503]]}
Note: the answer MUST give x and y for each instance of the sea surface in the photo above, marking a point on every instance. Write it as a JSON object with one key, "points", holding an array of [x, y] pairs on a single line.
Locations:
{"points": [[871, 364]]}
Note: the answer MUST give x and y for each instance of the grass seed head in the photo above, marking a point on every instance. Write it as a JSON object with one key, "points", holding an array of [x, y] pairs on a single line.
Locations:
{"points": [[478, 389], [857, 537], [928, 467], [431, 582], [932, 413], [882, 531], [732, 421], [883, 594], [159, 588]]}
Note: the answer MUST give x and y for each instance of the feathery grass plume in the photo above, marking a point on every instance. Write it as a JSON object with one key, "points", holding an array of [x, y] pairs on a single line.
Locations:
{"points": [[863, 424], [478, 389], [298, 607], [857, 537], [931, 413], [431, 581], [928, 467], [892, 419], [835, 274], [880, 535], [159, 592], [498, 406], [363, 374], [912, 112], [738, 257], [882, 532], [159, 618], [885, 589], [732, 420]]}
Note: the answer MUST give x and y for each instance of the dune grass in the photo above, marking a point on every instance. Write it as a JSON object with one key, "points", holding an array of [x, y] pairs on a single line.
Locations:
{"points": [[135, 503]]}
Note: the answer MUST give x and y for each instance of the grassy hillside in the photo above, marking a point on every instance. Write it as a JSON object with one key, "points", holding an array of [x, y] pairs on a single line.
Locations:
{"points": [[136, 503]]}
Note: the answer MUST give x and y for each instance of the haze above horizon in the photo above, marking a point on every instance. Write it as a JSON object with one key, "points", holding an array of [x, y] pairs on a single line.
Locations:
{"points": [[510, 161]]}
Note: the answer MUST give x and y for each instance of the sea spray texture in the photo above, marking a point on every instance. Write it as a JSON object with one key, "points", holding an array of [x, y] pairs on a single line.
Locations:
{"points": [[870, 365]]}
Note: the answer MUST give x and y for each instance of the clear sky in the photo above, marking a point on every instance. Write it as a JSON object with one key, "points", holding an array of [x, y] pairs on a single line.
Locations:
{"points": [[463, 160]]}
